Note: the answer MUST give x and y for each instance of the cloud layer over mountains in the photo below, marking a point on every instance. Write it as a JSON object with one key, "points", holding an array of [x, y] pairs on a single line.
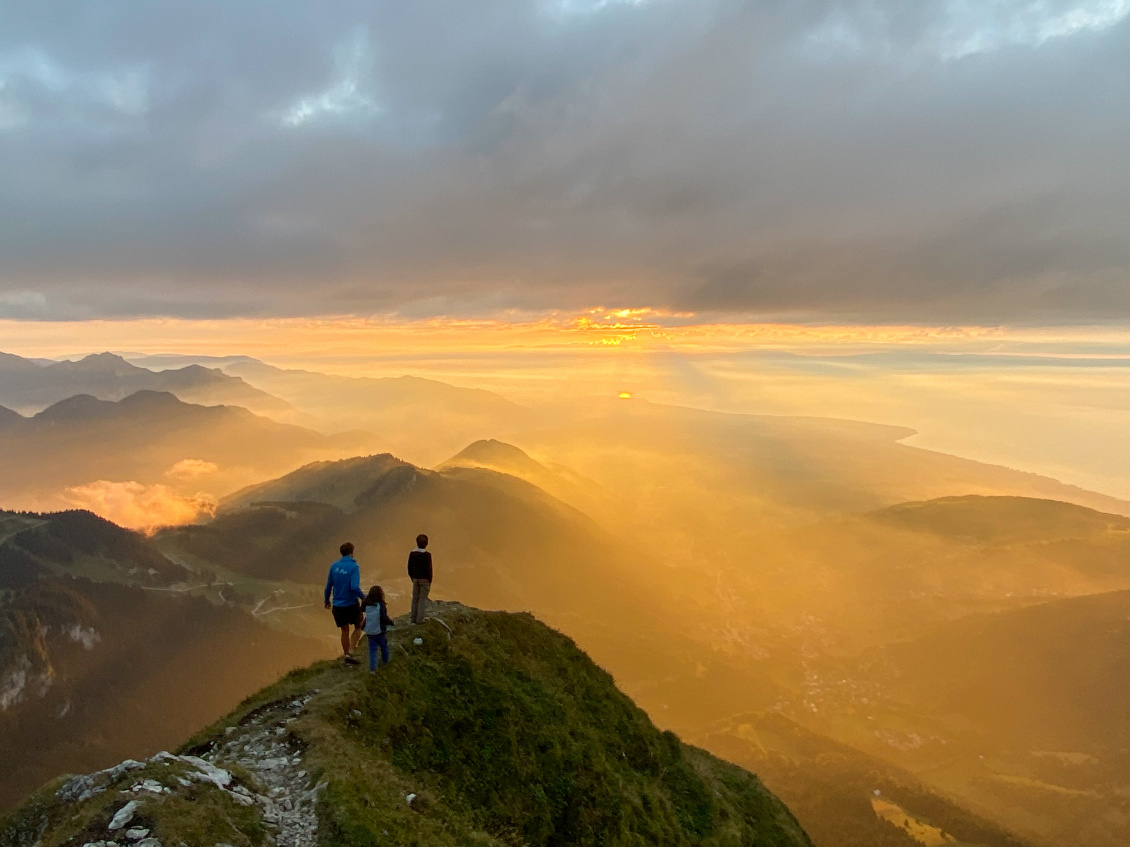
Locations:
{"points": [[872, 160]]}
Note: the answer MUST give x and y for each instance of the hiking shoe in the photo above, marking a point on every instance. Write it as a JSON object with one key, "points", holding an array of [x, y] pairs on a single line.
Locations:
{"points": [[349, 660]]}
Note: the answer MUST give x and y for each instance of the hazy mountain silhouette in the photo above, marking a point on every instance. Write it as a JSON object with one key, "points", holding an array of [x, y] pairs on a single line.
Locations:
{"points": [[497, 455], [557, 480], [761, 469], [142, 438], [421, 419], [1003, 520], [29, 387]]}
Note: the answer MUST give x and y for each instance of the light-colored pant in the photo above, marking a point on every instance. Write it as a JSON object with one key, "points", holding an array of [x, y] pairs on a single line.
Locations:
{"points": [[420, 589]]}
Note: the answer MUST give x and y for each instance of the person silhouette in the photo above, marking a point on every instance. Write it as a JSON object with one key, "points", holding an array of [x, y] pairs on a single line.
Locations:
{"points": [[344, 582], [420, 570]]}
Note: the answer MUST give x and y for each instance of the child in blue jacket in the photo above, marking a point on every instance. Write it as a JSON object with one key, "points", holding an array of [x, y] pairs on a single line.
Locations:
{"points": [[375, 623]]}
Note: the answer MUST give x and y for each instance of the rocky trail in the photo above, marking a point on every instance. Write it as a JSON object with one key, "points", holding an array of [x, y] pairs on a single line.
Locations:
{"points": [[280, 790]]}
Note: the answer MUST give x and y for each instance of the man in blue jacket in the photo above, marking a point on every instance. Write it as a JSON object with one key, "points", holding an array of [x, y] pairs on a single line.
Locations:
{"points": [[344, 582]]}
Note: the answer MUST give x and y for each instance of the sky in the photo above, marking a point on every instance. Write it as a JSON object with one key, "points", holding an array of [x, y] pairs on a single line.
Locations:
{"points": [[909, 212], [866, 161]]}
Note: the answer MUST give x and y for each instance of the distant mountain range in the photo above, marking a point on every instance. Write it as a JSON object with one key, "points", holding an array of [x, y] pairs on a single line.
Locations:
{"points": [[151, 438], [28, 387], [768, 469], [422, 420]]}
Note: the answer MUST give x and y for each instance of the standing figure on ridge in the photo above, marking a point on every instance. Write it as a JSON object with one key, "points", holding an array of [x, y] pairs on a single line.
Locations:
{"points": [[420, 570], [344, 582]]}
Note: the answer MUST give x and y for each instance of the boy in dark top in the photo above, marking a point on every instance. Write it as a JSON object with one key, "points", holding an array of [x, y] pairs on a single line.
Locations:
{"points": [[420, 570], [344, 582]]}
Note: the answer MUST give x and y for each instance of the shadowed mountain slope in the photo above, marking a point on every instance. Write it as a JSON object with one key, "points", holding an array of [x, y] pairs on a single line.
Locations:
{"points": [[90, 671], [494, 730], [9, 418]]}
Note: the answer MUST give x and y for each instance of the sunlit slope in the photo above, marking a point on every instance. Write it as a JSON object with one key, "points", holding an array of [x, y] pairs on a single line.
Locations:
{"points": [[91, 672], [1051, 676], [142, 438], [845, 798], [29, 387], [1024, 711], [1005, 520], [494, 730]]}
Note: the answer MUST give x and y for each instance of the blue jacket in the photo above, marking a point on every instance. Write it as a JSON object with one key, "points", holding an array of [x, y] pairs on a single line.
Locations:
{"points": [[344, 581]]}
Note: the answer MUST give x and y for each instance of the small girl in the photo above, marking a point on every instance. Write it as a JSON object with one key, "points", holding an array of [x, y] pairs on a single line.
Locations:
{"points": [[375, 623]]}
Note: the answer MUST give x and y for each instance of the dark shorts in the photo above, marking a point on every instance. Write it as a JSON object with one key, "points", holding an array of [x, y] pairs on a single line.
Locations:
{"points": [[347, 615]]}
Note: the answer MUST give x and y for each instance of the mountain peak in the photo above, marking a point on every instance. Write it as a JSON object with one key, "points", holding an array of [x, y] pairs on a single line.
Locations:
{"points": [[337, 483], [18, 364], [98, 363], [495, 454], [537, 746], [85, 406], [149, 399], [74, 408]]}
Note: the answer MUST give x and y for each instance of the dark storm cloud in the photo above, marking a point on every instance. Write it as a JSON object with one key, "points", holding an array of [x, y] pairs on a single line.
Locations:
{"points": [[851, 160]]}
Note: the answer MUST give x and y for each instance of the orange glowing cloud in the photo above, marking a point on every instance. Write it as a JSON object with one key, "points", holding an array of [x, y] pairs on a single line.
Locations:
{"points": [[138, 506]]}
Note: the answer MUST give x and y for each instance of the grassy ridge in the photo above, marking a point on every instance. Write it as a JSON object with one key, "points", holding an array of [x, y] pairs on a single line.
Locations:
{"points": [[500, 730], [507, 734]]}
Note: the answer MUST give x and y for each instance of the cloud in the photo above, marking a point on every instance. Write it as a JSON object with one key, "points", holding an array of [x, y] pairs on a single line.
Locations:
{"points": [[345, 96], [816, 159], [139, 506], [187, 469]]}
